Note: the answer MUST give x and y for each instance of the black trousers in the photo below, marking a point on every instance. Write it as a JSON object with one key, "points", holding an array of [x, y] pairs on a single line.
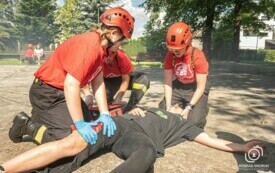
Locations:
{"points": [[129, 143], [182, 94], [49, 108], [139, 84]]}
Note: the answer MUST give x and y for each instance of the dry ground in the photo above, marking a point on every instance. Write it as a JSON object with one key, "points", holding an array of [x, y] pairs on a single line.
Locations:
{"points": [[242, 107]]}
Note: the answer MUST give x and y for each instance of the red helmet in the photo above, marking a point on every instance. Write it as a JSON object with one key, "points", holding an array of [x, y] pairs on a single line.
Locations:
{"points": [[178, 36], [120, 18]]}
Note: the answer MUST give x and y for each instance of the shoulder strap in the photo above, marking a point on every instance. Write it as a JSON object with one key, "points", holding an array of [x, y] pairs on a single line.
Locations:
{"points": [[192, 59], [173, 61]]}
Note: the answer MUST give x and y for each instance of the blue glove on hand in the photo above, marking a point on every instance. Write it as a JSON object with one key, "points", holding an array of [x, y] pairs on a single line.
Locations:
{"points": [[108, 124], [86, 130]]}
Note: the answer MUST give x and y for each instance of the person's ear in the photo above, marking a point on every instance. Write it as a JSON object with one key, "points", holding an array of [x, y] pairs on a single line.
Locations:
{"points": [[113, 32]]}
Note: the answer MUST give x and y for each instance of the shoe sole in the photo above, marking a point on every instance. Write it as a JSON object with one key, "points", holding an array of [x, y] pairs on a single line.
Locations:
{"points": [[16, 128]]}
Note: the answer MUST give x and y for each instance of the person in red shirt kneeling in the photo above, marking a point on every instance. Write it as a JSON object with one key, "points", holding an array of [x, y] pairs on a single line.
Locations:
{"points": [[55, 92], [119, 76], [189, 67]]}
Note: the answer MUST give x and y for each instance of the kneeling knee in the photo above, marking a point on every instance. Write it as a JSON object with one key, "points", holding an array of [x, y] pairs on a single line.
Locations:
{"points": [[143, 79], [146, 80]]}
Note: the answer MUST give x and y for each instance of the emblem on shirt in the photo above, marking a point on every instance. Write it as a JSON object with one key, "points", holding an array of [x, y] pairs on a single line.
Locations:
{"points": [[184, 73], [161, 114]]}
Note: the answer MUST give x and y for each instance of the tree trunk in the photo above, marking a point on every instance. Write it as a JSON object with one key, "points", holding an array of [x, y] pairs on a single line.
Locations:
{"points": [[207, 33], [236, 31]]}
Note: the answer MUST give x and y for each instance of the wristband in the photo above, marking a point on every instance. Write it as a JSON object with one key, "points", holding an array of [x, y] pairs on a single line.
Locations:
{"points": [[189, 106]]}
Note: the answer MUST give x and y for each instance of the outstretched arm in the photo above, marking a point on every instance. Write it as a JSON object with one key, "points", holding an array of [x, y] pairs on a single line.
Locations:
{"points": [[46, 153], [224, 145]]}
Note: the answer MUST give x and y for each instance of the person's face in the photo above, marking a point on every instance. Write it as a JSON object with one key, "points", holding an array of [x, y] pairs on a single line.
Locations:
{"points": [[115, 35], [177, 52]]}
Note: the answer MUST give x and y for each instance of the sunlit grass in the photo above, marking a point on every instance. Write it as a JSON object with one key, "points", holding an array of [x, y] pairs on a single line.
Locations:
{"points": [[147, 64], [9, 61]]}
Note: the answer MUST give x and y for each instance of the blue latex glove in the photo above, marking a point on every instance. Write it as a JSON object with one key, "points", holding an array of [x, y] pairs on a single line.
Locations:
{"points": [[108, 124], [86, 131]]}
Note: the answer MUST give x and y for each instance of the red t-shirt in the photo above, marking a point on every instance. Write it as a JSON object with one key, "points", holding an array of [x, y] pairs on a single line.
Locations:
{"points": [[29, 53], [81, 56], [121, 65], [182, 67]]}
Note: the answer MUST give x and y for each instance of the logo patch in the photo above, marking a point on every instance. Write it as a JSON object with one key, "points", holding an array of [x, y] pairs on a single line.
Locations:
{"points": [[184, 73], [162, 114]]}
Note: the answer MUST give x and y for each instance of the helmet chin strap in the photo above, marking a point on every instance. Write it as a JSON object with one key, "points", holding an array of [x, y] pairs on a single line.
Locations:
{"points": [[110, 43]]}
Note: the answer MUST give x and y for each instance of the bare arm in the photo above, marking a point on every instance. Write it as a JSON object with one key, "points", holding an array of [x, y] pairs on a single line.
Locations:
{"points": [[168, 75], [123, 87], [201, 82], [72, 95], [100, 93], [88, 96], [225, 145]]}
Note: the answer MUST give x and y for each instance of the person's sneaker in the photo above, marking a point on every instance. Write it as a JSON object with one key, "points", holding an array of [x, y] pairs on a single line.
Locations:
{"points": [[19, 127]]}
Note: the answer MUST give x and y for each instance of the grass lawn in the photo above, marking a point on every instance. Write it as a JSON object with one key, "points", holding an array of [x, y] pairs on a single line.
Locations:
{"points": [[147, 64], [9, 61]]}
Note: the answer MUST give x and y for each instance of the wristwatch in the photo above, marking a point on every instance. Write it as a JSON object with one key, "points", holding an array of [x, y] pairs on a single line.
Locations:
{"points": [[189, 106]]}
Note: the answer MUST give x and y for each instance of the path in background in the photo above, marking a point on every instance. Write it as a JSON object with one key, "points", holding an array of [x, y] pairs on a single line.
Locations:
{"points": [[241, 108]]}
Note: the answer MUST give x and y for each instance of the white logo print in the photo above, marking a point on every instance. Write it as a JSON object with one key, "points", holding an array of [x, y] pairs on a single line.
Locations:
{"points": [[181, 69], [254, 154]]}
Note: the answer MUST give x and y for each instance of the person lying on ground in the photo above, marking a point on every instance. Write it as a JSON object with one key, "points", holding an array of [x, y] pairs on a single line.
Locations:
{"points": [[138, 140]]}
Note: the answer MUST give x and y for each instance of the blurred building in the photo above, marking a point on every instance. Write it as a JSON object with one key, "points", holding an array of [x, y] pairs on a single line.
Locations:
{"points": [[263, 40]]}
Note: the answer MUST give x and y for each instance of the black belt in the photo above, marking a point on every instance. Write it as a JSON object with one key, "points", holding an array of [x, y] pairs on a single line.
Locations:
{"points": [[40, 83]]}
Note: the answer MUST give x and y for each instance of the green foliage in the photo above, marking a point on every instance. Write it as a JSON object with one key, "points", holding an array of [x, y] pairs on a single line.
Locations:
{"points": [[258, 55], [78, 16], [155, 34], [67, 20], [270, 56], [6, 24], [198, 14], [34, 21], [133, 47], [9, 61], [90, 11], [217, 18], [222, 42]]}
